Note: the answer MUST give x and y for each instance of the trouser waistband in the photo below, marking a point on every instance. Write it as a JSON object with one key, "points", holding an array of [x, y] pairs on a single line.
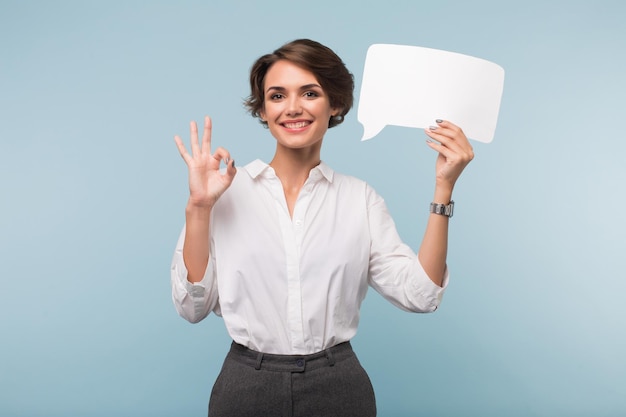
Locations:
{"points": [[290, 363]]}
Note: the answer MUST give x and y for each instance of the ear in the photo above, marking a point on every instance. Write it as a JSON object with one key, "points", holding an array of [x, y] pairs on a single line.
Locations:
{"points": [[334, 111], [262, 115]]}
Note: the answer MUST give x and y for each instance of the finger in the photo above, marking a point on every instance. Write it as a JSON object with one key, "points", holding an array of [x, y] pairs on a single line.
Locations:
{"points": [[230, 168], [222, 154], [438, 134], [444, 129], [446, 124], [453, 154], [449, 128], [449, 135], [193, 132], [206, 137], [181, 148], [231, 171], [442, 149]]}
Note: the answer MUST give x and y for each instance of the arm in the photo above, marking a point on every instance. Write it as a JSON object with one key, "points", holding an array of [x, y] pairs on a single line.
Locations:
{"points": [[395, 271], [455, 152], [206, 185]]}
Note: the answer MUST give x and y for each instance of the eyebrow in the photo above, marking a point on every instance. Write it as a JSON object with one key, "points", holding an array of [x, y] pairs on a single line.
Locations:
{"points": [[304, 87]]}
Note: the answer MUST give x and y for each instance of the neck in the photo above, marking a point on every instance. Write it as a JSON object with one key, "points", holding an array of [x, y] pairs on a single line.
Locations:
{"points": [[292, 166]]}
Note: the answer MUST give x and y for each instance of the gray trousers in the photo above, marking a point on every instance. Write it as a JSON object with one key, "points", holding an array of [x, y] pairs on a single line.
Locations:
{"points": [[330, 383]]}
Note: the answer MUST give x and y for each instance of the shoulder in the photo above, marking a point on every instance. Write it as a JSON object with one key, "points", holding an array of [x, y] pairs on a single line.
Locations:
{"points": [[339, 179], [351, 185]]}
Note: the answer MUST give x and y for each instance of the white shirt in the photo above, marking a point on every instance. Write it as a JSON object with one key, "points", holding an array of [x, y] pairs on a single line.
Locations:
{"points": [[294, 285]]}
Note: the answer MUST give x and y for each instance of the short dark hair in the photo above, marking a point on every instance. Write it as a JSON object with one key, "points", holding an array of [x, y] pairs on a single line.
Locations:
{"points": [[329, 70]]}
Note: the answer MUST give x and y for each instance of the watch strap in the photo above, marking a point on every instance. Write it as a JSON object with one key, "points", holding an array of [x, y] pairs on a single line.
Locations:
{"points": [[442, 209]]}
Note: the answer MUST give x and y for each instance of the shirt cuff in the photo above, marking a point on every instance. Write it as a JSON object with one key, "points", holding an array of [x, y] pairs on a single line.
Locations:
{"points": [[430, 293], [194, 289]]}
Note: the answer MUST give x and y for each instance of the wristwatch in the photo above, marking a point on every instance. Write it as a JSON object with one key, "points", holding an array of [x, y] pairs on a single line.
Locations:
{"points": [[443, 209]]}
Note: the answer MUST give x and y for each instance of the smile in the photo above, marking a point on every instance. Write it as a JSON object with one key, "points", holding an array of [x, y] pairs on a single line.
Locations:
{"points": [[296, 125]]}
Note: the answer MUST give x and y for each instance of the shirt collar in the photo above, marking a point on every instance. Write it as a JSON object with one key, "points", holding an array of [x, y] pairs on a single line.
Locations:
{"points": [[257, 167], [326, 171]]}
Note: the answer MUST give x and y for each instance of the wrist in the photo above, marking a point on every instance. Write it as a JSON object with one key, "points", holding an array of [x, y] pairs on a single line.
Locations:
{"points": [[443, 194], [198, 210]]}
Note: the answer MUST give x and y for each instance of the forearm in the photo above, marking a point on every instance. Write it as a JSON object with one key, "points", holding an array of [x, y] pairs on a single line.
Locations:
{"points": [[196, 249], [434, 248]]}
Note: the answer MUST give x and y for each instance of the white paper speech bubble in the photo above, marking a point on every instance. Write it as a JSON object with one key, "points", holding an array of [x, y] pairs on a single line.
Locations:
{"points": [[412, 86]]}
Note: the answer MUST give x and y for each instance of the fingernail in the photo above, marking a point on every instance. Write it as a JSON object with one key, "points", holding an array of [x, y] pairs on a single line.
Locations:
{"points": [[432, 127], [439, 121]]}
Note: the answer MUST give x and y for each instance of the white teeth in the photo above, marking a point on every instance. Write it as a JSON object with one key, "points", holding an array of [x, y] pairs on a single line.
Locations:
{"points": [[297, 125]]}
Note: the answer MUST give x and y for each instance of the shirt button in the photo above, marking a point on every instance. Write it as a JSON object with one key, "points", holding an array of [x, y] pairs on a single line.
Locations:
{"points": [[298, 222], [300, 363]]}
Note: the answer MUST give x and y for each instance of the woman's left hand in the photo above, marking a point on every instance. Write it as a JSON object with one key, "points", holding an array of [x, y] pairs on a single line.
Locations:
{"points": [[455, 152]]}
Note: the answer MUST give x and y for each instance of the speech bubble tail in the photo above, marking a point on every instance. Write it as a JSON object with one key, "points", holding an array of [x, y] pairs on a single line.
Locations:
{"points": [[369, 132]]}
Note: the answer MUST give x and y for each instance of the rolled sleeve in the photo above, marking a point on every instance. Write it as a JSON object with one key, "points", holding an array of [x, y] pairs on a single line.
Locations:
{"points": [[193, 301], [423, 294], [395, 270]]}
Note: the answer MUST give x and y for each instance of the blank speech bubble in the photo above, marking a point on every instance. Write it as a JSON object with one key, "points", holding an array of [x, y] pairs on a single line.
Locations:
{"points": [[412, 86]]}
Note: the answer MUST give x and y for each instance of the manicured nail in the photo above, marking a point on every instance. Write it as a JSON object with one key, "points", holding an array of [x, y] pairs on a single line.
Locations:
{"points": [[439, 121], [432, 127]]}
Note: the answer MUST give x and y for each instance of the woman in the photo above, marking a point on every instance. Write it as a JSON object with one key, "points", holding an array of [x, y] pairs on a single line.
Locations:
{"points": [[285, 251]]}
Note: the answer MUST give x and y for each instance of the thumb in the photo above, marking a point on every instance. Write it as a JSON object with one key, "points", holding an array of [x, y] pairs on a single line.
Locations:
{"points": [[231, 171]]}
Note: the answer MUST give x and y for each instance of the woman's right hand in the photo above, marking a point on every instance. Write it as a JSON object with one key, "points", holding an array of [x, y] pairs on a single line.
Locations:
{"points": [[206, 182]]}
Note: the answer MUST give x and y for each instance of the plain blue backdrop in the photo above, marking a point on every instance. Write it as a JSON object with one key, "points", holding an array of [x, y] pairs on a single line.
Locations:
{"points": [[92, 196]]}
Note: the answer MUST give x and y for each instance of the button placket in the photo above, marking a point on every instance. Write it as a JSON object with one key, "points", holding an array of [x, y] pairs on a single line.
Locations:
{"points": [[292, 255]]}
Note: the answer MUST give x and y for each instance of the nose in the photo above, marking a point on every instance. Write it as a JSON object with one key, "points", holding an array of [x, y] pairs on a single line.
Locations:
{"points": [[294, 106]]}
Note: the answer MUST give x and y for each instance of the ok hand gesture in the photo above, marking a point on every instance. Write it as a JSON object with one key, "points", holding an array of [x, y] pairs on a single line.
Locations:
{"points": [[206, 182]]}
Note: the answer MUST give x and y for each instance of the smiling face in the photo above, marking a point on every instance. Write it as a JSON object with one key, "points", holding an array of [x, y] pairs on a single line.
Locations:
{"points": [[295, 107]]}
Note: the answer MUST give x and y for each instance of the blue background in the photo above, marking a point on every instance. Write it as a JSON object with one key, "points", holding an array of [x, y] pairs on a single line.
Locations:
{"points": [[92, 196]]}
